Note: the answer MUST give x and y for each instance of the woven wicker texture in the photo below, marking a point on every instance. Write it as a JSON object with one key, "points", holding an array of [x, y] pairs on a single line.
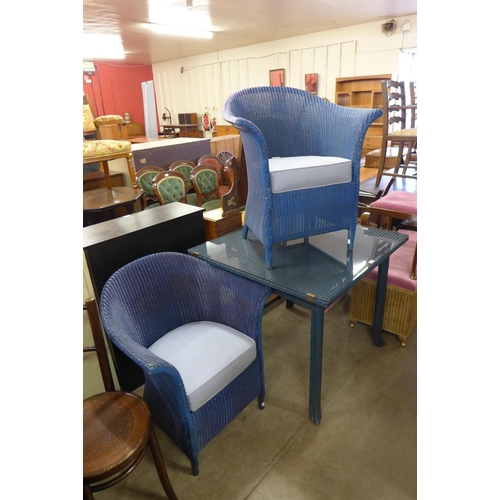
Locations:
{"points": [[400, 310], [284, 121], [155, 294]]}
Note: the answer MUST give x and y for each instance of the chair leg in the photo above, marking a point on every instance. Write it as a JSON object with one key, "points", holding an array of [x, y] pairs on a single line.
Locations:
{"points": [[381, 165], [87, 492], [262, 402], [195, 467], [160, 465], [269, 257]]}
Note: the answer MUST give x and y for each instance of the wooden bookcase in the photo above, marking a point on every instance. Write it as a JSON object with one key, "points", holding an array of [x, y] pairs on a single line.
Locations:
{"points": [[363, 92]]}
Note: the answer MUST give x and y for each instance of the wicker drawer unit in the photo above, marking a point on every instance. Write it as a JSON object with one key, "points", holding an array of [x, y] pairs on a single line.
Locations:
{"points": [[400, 309]]}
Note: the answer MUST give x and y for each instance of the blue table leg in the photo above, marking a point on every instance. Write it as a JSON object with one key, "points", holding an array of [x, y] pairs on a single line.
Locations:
{"points": [[378, 315], [316, 364]]}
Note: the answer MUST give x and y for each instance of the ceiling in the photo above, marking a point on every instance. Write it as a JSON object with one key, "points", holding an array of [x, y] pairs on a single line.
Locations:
{"points": [[235, 23]]}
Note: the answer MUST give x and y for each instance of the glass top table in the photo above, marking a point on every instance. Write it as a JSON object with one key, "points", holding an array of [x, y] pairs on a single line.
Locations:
{"points": [[313, 272]]}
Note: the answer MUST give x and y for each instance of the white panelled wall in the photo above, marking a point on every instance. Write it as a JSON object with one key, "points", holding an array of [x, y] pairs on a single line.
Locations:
{"points": [[207, 80]]}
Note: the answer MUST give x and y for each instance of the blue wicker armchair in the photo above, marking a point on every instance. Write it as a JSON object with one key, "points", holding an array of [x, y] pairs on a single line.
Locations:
{"points": [[195, 330], [303, 158]]}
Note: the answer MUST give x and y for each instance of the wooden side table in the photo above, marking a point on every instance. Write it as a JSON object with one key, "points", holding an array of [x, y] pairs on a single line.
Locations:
{"points": [[106, 200]]}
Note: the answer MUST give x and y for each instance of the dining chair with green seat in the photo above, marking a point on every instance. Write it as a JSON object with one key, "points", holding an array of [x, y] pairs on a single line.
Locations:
{"points": [[206, 182], [217, 163], [144, 177], [185, 167], [170, 186]]}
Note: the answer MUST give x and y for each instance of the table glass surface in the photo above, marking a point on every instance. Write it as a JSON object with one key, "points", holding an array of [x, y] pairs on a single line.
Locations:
{"points": [[317, 271]]}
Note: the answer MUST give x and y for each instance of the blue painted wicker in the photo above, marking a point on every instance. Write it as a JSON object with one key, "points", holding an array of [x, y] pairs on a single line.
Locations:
{"points": [[284, 121], [155, 294]]}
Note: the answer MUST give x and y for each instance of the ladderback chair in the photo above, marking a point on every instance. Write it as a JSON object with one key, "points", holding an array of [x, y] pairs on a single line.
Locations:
{"points": [[144, 178], [413, 102], [303, 160], [196, 332], [206, 182], [395, 132], [117, 427]]}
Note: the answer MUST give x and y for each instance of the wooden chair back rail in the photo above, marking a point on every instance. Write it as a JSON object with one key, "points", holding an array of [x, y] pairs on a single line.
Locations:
{"points": [[99, 344]]}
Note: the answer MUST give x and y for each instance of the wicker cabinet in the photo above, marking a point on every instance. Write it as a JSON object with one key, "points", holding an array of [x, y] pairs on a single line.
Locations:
{"points": [[363, 92]]}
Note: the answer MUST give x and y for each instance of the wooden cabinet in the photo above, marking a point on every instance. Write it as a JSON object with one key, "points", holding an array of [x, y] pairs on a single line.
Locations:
{"points": [[363, 92], [225, 130], [135, 129], [188, 118]]}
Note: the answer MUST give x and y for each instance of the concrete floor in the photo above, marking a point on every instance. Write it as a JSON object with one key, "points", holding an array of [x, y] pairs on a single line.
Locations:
{"points": [[364, 448]]}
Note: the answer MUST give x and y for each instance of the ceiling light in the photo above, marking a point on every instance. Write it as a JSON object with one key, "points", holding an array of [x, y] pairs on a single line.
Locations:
{"points": [[172, 30], [97, 46]]}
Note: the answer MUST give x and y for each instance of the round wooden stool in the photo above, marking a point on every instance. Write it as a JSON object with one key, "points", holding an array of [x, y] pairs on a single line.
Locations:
{"points": [[117, 429]]}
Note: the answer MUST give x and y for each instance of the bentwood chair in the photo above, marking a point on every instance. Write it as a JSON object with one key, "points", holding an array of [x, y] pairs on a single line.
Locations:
{"points": [[144, 177], [303, 160], [394, 130], [196, 332], [117, 427], [206, 182]]}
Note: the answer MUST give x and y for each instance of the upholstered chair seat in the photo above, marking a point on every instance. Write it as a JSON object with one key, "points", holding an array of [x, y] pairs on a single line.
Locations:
{"points": [[104, 148]]}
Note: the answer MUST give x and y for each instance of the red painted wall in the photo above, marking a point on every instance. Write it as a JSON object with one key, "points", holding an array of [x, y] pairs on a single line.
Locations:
{"points": [[116, 88]]}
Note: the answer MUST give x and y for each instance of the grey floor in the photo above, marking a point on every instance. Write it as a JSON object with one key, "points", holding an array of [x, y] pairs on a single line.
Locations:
{"points": [[364, 448]]}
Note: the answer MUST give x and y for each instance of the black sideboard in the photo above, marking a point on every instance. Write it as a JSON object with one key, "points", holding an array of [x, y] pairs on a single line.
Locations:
{"points": [[110, 245]]}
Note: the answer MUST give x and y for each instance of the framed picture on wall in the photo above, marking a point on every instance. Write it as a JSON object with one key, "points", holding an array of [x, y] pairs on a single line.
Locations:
{"points": [[277, 77], [312, 82]]}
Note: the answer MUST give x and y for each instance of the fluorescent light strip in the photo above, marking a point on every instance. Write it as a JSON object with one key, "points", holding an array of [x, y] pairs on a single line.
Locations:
{"points": [[97, 46], [175, 31]]}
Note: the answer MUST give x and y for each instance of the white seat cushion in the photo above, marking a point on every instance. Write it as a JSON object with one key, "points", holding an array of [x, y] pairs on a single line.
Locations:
{"points": [[305, 172], [207, 355]]}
